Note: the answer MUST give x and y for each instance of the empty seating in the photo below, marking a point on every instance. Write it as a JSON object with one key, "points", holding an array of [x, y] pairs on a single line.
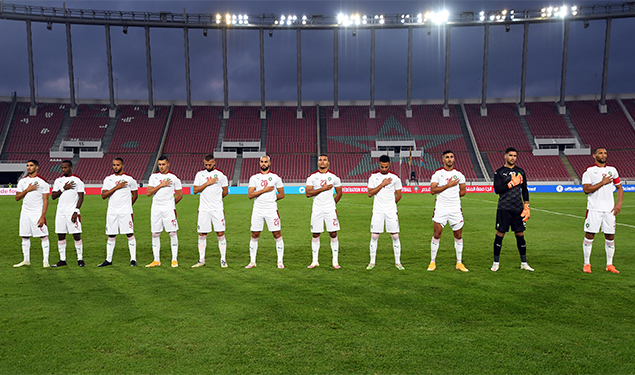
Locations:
{"points": [[287, 135], [93, 171], [4, 110], [498, 130], [291, 168], [48, 169], [35, 133], [244, 124], [545, 122], [538, 168], [611, 130], [90, 123], [187, 165], [624, 161], [136, 133], [198, 134]]}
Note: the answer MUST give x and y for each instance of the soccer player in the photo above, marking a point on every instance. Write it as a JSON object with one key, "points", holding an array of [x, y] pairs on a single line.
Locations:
{"points": [[70, 190], [35, 192], [266, 189], [213, 186], [320, 186], [121, 190], [510, 183], [165, 189], [598, 181], [448, 184], [385, 186]]}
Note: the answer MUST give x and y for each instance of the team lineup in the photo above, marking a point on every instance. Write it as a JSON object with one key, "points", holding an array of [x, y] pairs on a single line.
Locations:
{"points": [[325, 188]]}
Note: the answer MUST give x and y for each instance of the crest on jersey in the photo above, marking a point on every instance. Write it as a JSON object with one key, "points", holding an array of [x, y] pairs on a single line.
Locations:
{"points": [[270, 179], [329, 179], [215, 176]]}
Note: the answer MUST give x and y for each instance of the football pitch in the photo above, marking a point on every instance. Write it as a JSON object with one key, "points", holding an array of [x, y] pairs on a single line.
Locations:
{"points": [[123, 319]]}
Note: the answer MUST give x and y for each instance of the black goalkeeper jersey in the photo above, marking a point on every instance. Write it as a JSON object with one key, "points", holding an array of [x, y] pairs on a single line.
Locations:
{"points": [[510, 199]]}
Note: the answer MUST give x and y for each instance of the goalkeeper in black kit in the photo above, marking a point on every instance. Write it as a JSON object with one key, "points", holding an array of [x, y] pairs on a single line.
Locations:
{"points": [[510, 183]]}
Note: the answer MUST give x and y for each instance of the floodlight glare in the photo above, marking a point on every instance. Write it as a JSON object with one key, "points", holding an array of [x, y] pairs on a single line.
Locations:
{"points": [[492, 17], [304, 18], [288, 22], [218, 16], [504, 12]]}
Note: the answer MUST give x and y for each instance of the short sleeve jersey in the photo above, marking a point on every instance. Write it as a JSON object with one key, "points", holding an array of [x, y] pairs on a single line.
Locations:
{"points": [[33, 201], [448, 199], [163, 199], [261, 181], [384, 201], [323, 201], [512, 199], [601, 199], [67, 202], [212, 196], [120, 202]]}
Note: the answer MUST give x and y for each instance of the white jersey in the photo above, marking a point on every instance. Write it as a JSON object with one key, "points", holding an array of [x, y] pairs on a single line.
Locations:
{"points": [[261, 181], [163, 199], [212, 196], [120, 202], [601, 199], [323, 201], [448, 199], [67, 202], [384, 201], [33, 202]]}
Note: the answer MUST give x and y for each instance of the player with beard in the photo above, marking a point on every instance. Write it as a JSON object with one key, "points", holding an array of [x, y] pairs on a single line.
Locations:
{"points": [[385, 186], [212, 185], [69, 188], [265, 188], [598, 182]]}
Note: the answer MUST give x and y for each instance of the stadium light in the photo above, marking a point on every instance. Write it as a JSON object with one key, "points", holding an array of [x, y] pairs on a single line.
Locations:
{"points": [[481, 16], [125, 29], [218, 18], [49, 25], [204, 32]]}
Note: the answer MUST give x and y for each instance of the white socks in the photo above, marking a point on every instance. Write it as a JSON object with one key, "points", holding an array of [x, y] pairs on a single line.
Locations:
{"points": [[609, 246], [315, 248], [26, 249], [174, 242], [434, 248], [253, 249], [458, 246], [222, 247], [587, 246], [79, 248], [335, 248], [61, 247], [45, 248], [280, 248], [202, 245], [132, 247], [156, 247], [110, 248], [373, 246], [396, 246]]}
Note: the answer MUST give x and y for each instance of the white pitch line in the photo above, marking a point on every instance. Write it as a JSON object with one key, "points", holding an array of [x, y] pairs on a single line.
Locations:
{"points": [[561, 214]]}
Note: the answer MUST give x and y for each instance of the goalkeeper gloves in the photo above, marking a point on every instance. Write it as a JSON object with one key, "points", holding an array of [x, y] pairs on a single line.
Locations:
{"points": [[517, 179], [526, 213]]}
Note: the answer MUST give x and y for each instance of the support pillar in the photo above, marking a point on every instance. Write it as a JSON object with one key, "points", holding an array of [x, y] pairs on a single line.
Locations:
{"points": [[605, 67]]}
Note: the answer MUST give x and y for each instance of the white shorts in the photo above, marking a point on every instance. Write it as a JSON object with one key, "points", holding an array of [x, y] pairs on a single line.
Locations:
{"points": [[207, 218], [259, 216], [116, 224], [29, 228], [599, 219], [318, 219], [391, 219], [455, 218], [164, 219], [63, 224]]}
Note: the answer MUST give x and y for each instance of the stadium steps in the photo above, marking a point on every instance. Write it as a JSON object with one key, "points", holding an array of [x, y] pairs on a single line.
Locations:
{"points": [[8, 123], [237, 169], [152, 164], [63, 132], [460, 115], [263, 132], [572, 129], [313, 163], [221, 134], [487, 164], [110, 132], [569, 168], [626, 113], [322, 139], [527, 130]]}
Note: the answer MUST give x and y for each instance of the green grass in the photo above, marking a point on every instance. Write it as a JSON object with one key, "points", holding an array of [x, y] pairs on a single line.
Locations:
{"points": [[122, 319]]}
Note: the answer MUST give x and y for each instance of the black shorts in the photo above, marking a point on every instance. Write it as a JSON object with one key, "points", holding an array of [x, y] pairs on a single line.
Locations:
{"points": [[507, 218]]}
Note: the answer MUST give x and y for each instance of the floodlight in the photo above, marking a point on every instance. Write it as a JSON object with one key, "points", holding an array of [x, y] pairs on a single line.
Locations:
{"points": [[49, 25], [586, 24], [125, 29], [271, 31], [492, 17], [204, 32], [506, 27]]}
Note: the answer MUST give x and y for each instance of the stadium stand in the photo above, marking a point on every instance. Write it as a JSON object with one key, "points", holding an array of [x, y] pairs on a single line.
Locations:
{"points": [[136, 133], [186, 166], [545, 122], [288, 135], [196, 135], [630, 106], [291, 168], [90, 123], [4, 110], [498, 130], [538, 168], [35, 134], [594, 126], [48, 169], [244, 124], [354, 131], [624, 161], [93, 171]]}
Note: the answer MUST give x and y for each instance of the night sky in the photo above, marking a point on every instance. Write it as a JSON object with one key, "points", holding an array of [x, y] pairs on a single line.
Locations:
{"points": [[586, 50]]}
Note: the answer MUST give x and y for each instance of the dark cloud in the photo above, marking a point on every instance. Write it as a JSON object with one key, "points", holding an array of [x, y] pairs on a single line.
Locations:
{"points": [[168, 61]]}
